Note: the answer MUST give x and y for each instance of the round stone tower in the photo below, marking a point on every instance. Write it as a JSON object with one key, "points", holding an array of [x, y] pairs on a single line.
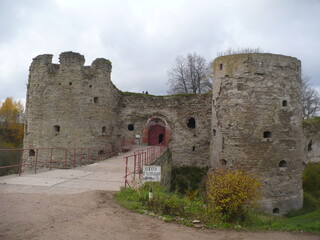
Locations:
{"points": [[256, 124], [70, 105]]}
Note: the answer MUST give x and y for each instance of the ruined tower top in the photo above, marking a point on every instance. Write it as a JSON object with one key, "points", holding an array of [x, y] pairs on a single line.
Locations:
{"points": [[70, 61]]}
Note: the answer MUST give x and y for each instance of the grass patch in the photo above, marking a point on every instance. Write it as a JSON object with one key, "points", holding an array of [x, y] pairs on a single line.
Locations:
{"points": [[178, 95], [176, 207], [185, 204], [307, 222]]}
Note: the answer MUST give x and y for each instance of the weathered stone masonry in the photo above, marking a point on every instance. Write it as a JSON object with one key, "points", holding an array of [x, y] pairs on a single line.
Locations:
{"points": [[252, 119], [71, 105], [189, 145], [256, 123]]}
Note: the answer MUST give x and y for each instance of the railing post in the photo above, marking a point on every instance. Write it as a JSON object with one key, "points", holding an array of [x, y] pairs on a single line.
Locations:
{"points": [[65, 158], [89, 152], [36, 164], [126, 173], [81, 155], [74, 158], [87, 155], [140, 165], [20, 163], [50, 158], [134, 167]]}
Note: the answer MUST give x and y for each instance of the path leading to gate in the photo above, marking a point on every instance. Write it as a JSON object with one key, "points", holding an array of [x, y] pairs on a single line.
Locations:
{"points": [[105, 175], [61, 204]]}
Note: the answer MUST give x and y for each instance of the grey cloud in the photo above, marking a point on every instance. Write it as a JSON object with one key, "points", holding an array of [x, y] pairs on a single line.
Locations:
{"points": [[142, 38]]}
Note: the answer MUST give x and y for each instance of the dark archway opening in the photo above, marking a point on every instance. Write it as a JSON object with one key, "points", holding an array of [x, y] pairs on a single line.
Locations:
{"points": [[104, 130], [131, 127], [56, 128], [156, 133], [191, 123], [284, 103], [282, 164], [276, 211], [161, 138], [223, 162], [32, 153], [267, 134], [310, 146]]}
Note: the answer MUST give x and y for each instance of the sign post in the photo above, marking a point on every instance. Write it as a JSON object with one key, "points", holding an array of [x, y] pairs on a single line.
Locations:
{"points": [[151, 174]]}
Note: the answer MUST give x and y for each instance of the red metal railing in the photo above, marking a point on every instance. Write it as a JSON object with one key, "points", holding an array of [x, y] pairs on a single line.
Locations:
{"points": [[134, 163], [20, 160]]}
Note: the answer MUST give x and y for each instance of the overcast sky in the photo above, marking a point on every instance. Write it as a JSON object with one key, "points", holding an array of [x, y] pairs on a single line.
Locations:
{"points": [[143, 37]]}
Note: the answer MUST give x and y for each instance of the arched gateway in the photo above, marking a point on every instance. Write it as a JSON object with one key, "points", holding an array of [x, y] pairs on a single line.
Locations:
{"points": [[156, 131]]}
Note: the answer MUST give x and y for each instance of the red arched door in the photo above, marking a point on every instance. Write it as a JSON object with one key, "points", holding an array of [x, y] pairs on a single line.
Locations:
{"points": [[156, 134]]}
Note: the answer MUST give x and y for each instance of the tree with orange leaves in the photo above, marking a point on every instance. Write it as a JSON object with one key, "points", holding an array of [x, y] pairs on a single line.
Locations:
{"points": [[11, 123]]}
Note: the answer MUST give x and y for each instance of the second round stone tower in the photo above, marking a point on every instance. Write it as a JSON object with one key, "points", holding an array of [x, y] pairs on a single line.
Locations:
{"points": [[256, 124]]}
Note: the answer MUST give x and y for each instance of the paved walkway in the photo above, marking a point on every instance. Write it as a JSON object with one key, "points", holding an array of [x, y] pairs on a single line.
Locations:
{"points": [[104, 175]]}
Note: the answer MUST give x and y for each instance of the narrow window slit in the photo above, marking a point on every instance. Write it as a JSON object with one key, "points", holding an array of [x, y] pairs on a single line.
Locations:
{"points": [[284, 103], [267, 134], [223, 162], [32, 153], [56, 128], [191, 123], [282, 164]]}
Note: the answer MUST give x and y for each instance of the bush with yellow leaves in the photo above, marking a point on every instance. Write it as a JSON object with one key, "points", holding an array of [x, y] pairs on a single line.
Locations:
{"points": [[230, 191]]}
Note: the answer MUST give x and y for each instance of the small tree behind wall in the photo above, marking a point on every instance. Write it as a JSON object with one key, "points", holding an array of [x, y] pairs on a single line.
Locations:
{"points": [[189, 74]]}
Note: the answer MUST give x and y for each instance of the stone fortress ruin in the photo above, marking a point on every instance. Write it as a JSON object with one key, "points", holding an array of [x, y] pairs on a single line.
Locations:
{"points": [[252, 118]]}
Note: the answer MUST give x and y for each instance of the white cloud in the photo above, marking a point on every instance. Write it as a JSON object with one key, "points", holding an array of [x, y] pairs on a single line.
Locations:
{"points": [[142, 38]]}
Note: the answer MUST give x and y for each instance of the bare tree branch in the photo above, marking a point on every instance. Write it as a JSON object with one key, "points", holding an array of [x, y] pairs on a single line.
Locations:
{"points": [[310, 99], [189, 75]]}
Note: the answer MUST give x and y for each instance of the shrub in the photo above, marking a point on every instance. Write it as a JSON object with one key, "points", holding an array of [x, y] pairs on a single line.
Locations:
{"points": [[311, 179], [229, 191], [187, 179]]}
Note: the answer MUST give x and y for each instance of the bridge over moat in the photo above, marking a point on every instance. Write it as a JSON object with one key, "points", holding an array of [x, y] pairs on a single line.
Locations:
{"points": [[105, 175]]}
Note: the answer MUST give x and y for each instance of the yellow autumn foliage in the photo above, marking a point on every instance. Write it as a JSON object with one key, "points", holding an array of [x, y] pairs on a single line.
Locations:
{"points": [[229, 191], [11, 123]]}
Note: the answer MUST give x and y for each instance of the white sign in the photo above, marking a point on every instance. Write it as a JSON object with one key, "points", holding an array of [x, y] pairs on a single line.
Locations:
{"points": [[137, 136], [151, 173]]}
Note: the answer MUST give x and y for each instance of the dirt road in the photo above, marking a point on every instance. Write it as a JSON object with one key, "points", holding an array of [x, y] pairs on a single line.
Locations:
{"points": [[95, 215]]}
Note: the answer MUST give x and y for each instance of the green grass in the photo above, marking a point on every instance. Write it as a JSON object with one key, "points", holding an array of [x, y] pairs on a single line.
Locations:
{"points": [[178, 95], [185, 204], [176, 207], [306, 222]]}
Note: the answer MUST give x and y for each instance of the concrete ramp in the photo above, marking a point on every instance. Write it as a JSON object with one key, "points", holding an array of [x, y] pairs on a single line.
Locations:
{"points": [[105, 175]]}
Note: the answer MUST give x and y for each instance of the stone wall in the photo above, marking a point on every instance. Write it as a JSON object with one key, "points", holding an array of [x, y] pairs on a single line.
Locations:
{"points": [[189, 146], [252, 119], [256, 123], [165, 161], [70, 105]]}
